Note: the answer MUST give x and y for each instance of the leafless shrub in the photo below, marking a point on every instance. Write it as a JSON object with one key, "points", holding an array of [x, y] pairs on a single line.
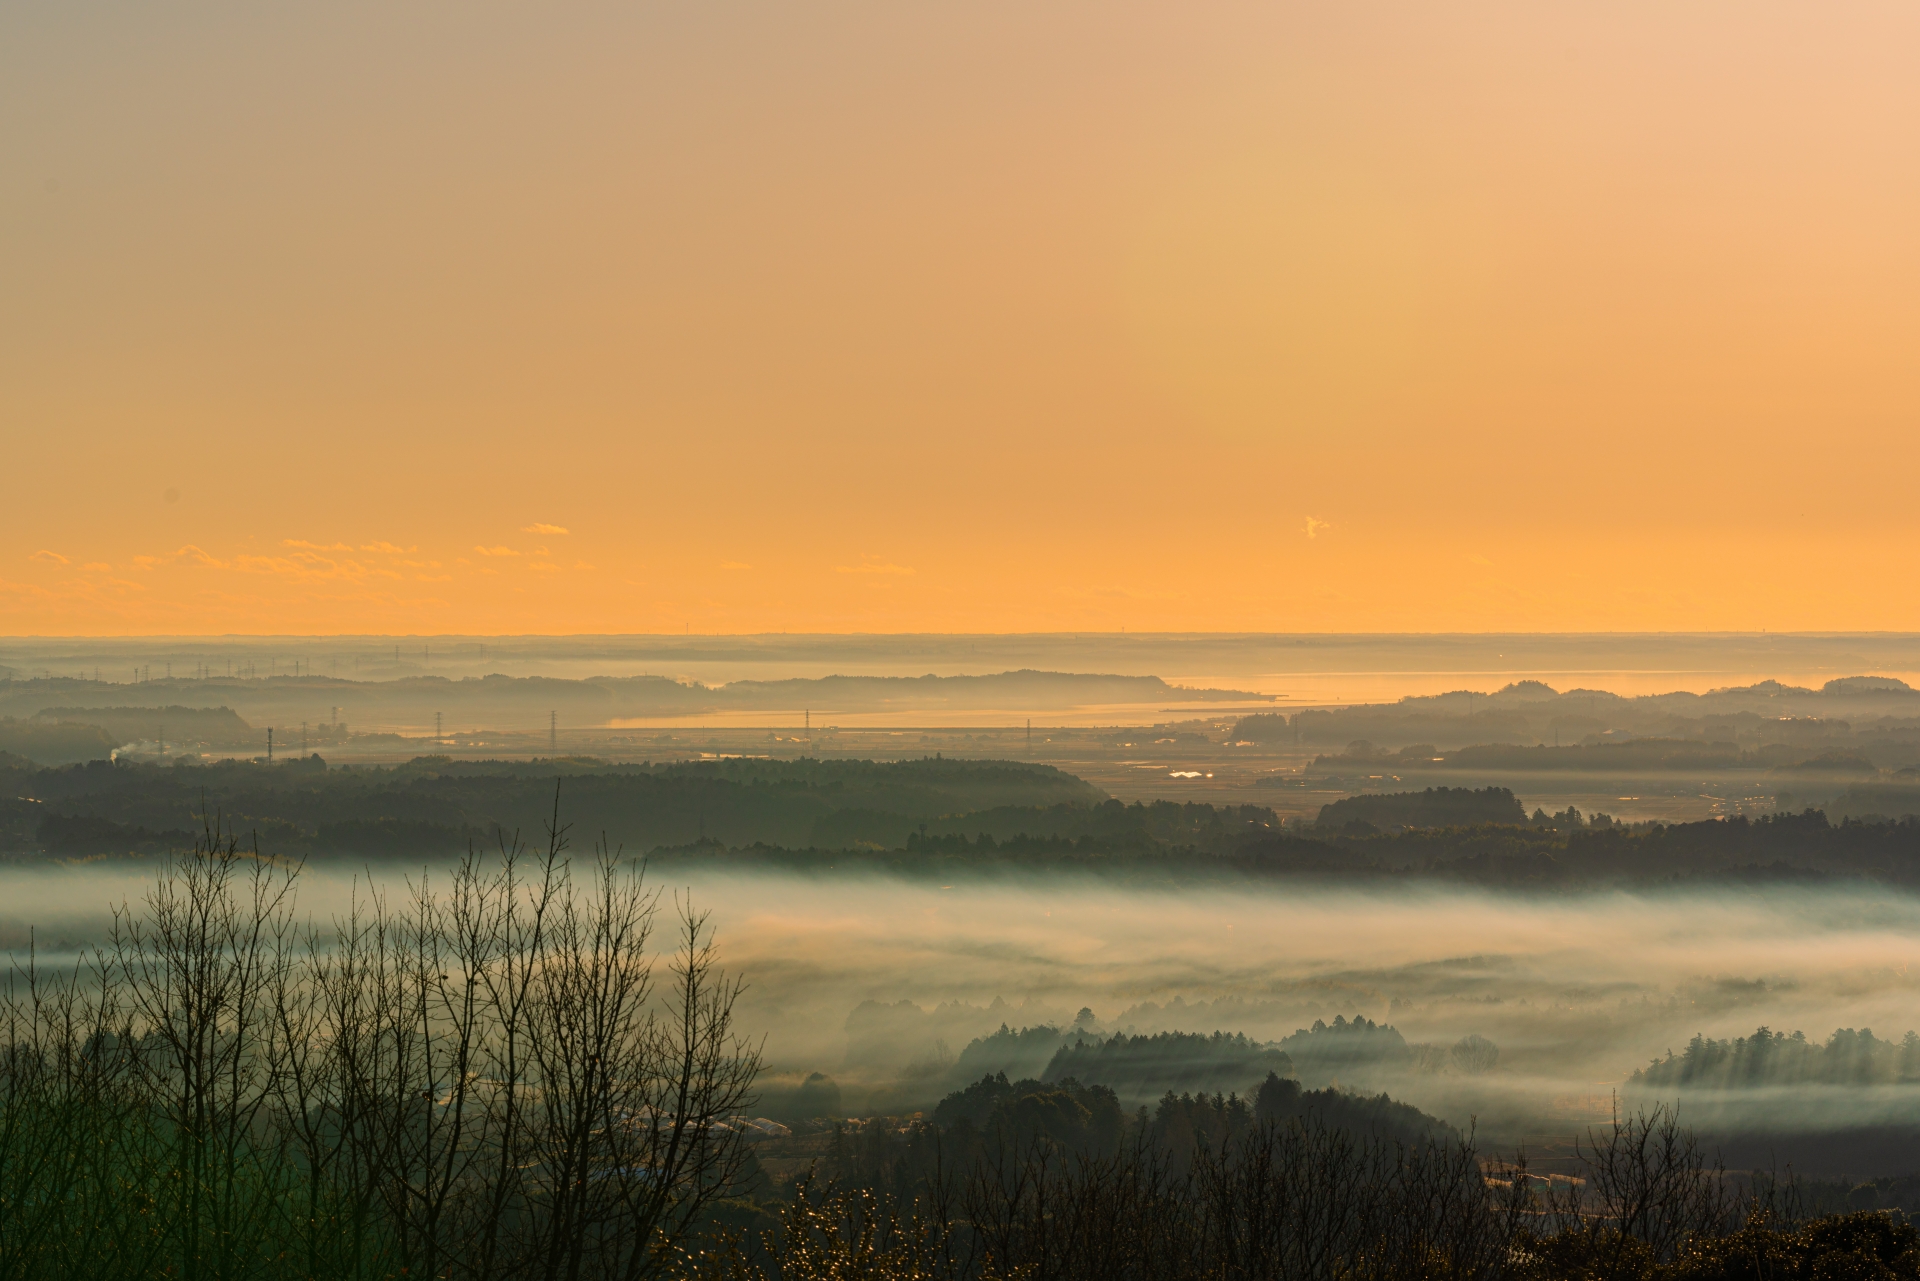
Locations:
{"points": [[490, 1080], [1647, 1192]]}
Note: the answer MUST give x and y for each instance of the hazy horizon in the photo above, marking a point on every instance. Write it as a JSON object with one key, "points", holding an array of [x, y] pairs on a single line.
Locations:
{"points": [[1302, 667]]}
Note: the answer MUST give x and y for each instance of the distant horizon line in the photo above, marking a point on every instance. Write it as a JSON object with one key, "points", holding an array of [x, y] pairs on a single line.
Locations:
{"points": [[1834, 634]]}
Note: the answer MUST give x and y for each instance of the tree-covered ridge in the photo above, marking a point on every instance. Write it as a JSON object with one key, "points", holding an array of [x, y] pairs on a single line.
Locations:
{"points": [[1636, 756], [1088, 1116], [1434, 807], [1147, 1067], [1566, 853], [1769, 1058], [55, 742], [1876, 715], [432, 805], [1329, 1047], [1086, 1119], [927, 817], [1560, 852]]}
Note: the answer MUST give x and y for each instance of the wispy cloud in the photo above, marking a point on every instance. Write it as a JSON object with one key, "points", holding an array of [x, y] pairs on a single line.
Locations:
{"points": [[201, 557], [305, 561], [496, 551], [315, 547], [308, 565], [734, 564], [1315, 525], [874, 565], [386, 549], [71, 591], [539, 527], [52, 558]]}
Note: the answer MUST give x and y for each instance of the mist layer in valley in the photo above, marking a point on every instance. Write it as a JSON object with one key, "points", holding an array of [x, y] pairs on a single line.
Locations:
{"points": [[1522, 1015]]}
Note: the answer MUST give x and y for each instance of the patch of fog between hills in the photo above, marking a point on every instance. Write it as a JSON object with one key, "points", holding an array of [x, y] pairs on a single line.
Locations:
{"points": [[1576, 991]]}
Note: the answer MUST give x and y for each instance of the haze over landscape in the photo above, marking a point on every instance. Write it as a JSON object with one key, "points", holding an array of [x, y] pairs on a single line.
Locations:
{"points": [[732, 642]]}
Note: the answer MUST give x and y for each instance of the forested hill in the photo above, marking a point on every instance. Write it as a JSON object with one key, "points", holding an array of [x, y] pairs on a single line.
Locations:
{"points": [[917, 817], [1765, 724], [432, 805]]}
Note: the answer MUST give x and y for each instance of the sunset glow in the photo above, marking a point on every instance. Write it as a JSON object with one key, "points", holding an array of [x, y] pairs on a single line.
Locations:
{"points": [[998, 317]]}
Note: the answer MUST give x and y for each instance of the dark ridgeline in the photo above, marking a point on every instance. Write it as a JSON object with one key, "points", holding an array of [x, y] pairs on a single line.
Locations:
{"points": [[926, 817], [1862, 711], [1434, 807], [434, 806]]}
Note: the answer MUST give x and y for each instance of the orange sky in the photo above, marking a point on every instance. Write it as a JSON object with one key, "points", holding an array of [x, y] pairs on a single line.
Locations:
{"points": [[994, 316]]}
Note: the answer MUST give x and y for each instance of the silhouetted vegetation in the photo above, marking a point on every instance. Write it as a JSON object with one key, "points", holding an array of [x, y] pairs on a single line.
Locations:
{"points": [[54, 742], [1754, 726], [497, 1077], [1222, 1188], [1327, 1049], [958, 817], [1435, 807], [1139, 1068], [209, 726], [1606, 760], [1768, 1058], [435, 805]]}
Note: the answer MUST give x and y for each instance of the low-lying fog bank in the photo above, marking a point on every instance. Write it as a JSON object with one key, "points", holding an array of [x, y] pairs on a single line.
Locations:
{"points": [[882, 985]]}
